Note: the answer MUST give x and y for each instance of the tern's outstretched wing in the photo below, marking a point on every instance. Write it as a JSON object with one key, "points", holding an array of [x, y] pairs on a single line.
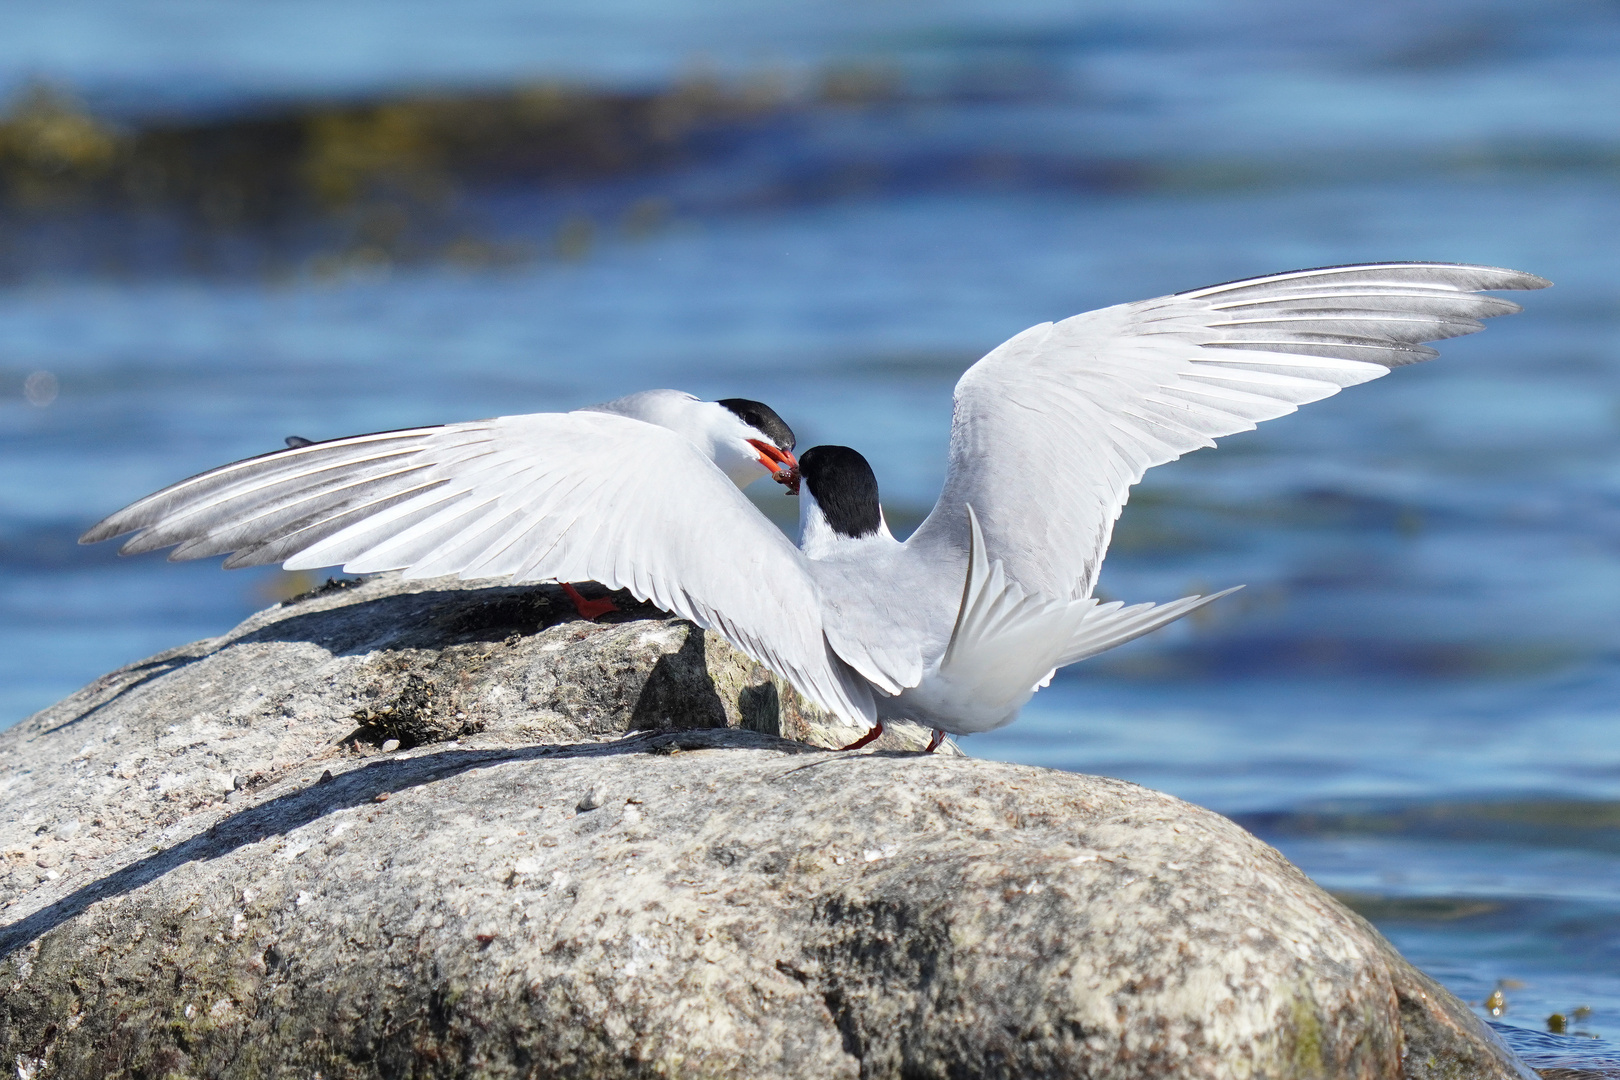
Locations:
{"points": [[581, 496], [1053, 427]]}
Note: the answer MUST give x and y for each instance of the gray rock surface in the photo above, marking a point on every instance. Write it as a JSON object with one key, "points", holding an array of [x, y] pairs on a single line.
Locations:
{"points": [[595, 855]]}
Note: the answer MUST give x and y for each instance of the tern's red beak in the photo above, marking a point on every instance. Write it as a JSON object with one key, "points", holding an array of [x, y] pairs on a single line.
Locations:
{"points": [[781, 464]]}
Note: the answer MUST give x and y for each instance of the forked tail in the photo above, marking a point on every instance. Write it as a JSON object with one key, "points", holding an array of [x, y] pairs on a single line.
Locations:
{"points": [[1108, 625], [1008, 641], [1005, 638]]}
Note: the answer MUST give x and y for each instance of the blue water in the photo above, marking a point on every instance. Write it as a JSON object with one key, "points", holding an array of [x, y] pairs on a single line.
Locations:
{"points": [[1433, 560]]}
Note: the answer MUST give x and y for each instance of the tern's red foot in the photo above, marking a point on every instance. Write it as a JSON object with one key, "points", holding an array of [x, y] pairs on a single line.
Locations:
{"points": [[933, 743], [588, 609], [877, 729]]}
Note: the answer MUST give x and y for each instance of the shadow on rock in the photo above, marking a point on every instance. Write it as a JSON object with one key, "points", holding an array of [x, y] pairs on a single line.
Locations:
{"points": [[434, 618]]}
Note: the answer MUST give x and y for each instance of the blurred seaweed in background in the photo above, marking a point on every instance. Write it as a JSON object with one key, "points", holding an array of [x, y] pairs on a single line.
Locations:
{"points": [[490, 177], [340, 185], [336, 185]]}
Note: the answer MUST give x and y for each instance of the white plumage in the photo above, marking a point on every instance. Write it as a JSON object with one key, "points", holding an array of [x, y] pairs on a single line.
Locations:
{"points": [[957, 626]]}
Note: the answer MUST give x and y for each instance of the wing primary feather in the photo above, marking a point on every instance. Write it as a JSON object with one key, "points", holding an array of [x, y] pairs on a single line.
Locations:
{"points": [[1353, 326], [294, 510], [243, 479], [1444, 304], [1461, 276], [131, 517], [168, 525]]}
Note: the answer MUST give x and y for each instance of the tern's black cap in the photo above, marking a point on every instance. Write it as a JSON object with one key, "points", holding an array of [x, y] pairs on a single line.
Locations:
{"points": [[842, 483], [761, 417]]}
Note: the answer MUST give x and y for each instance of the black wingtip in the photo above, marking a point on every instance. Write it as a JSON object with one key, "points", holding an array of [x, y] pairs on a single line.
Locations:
{"points": [[101, 530]]}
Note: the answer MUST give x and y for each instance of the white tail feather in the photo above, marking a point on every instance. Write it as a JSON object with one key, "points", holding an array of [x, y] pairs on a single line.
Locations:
{"points": [[1110, 625], [1005, 638], [1008, 642]]}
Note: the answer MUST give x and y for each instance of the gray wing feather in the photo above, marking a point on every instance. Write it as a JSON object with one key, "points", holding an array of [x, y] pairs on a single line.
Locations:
{"points": [[1053, 427], [225, 509]]}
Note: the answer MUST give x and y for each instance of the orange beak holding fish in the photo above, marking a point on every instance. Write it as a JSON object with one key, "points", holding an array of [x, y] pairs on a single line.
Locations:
{"points": [[781, 464]]}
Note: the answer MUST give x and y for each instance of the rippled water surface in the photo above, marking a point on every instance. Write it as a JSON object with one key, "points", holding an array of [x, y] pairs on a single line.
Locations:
{"points": [[1416, 696]]}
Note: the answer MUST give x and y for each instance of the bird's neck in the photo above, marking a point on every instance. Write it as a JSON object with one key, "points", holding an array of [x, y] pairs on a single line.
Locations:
{"points": [[819, 540]]}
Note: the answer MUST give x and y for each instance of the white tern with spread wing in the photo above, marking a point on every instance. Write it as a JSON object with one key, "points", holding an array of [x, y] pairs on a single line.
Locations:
{"points": [[957, 626]]}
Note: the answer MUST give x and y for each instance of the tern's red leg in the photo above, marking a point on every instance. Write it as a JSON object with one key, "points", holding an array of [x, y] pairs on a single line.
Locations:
{"points": [[933, 743], [877, 729], [588, 609]]}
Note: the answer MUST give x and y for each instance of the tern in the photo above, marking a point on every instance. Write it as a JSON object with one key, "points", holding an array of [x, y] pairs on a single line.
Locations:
{"points": [[264, 509], [957, 626]]}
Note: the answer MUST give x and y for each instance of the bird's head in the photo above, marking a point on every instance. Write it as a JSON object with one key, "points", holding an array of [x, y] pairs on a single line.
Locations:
{"points": [[839, 503], [766, 440], [740, 436]]}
